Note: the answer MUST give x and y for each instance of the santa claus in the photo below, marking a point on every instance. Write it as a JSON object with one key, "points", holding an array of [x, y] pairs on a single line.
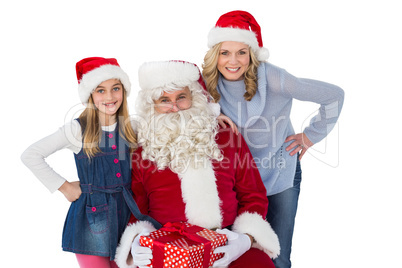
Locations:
{"points": [[189, 169]]}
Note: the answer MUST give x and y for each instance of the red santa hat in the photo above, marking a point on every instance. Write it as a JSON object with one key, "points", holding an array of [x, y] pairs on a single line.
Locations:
{"points": [[166, 74], [94, 70], [239, 26]]}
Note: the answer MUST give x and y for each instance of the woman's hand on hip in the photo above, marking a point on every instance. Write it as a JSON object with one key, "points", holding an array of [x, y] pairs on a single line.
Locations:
{"points": [[300, 144]]}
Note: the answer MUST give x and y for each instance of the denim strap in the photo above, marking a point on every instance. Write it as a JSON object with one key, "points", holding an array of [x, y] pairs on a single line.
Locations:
{"points": [[128, 197]]}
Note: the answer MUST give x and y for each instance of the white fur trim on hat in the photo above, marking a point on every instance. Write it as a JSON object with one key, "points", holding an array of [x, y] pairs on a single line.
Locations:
{"points": [[92, 79], [217, 35], [123, 256], [265, 237], [158, 74]]}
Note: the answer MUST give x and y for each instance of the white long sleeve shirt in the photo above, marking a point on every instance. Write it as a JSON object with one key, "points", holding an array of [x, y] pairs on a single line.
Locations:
{"points": [[69, 137]]}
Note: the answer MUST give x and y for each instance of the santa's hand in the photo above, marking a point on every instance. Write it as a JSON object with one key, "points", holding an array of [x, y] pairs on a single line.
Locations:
{"points": [[141, 255], [237, 245]]}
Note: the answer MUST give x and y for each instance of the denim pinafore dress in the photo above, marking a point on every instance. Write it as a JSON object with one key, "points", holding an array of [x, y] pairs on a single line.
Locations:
{"points": [[96, 221]]}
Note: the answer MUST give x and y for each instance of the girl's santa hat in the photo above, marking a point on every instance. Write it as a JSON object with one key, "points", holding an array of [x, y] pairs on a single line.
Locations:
{"points": [[239, 26], [94, 70]]}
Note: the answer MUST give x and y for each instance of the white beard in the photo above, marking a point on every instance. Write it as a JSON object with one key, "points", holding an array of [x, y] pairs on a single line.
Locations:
{"points": [[180, 139]]}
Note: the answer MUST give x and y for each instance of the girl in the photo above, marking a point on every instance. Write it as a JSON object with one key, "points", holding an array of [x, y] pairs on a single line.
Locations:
{"points": [[257, 96], [101, 140]]}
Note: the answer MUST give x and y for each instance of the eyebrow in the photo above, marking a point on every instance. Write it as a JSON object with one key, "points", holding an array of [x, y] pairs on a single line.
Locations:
{"points": [[117, 84], [244, 48], [167, 98]]}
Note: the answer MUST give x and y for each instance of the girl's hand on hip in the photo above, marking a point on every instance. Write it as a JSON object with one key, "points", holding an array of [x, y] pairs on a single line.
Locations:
{"points": [[300, 144], [71, 190]]}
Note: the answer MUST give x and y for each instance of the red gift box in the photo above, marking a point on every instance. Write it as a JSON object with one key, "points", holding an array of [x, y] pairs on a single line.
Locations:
{"points": [[183, 245]]}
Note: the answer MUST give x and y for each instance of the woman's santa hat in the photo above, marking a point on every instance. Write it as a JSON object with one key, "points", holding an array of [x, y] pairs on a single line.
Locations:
{"points": [[239, 26], [94, 70]]}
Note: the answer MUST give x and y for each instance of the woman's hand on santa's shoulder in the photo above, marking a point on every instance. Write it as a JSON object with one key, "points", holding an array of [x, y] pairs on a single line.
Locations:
{"points": [[223, 120]]}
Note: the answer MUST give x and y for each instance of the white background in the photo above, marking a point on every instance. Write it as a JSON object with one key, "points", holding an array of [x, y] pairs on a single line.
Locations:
{"points": [[350, 204]]}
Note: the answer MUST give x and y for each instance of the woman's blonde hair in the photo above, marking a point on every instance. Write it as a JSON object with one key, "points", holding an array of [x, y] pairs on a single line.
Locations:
{"points": [[210, 73], [89, 120]]}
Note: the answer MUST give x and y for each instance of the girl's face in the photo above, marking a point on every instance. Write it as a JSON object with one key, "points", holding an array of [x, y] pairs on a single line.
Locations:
{"points": [[233, 60], [108, 97]]}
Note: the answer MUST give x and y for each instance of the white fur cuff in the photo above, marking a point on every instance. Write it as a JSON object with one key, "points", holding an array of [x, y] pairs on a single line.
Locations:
{"points": [[265, 237], [123, 252]]}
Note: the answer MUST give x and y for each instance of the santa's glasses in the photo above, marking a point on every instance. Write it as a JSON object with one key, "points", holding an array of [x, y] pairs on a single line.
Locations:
{"points": [[167, 106]]}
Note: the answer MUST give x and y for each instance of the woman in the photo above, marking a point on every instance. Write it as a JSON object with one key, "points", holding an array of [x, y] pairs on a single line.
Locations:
{"points": [[258, 96]]}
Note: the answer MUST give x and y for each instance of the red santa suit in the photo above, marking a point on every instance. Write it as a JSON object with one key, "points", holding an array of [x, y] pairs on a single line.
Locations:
{"points": [[217, 194]]}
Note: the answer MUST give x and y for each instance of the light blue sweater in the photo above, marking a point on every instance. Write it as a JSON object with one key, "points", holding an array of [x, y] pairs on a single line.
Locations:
{"points": [[265, 120]]}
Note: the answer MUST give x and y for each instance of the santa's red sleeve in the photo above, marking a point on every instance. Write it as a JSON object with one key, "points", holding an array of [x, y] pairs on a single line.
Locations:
{"points": [[137, 185], [123, 256], [253, 202]]}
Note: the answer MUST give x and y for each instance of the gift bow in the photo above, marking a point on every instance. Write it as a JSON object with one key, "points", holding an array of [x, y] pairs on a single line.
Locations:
{"points": [[176, 231]]}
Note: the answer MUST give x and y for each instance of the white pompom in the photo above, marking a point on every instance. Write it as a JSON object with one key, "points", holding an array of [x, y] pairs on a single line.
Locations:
{"points": [[262, 54]]}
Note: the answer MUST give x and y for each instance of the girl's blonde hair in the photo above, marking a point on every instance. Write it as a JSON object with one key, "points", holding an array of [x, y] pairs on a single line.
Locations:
{"points": [[89, 120], [210, 73]]}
